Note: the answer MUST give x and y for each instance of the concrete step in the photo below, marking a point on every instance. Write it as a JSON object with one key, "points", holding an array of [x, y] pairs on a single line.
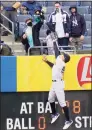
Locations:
{"points": [[8, 38], [17, 48], [19, 53]]}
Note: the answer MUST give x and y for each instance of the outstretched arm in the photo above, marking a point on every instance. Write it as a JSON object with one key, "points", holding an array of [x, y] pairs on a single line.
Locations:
{"points": [[48, 62], [57, 52]]}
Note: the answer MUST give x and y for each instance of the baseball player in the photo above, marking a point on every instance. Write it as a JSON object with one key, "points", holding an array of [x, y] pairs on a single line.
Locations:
{"points": [[57, 89]]}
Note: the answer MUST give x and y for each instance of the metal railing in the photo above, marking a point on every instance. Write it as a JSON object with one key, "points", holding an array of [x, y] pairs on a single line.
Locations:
{"points": [[70, 49], [11, 32]]}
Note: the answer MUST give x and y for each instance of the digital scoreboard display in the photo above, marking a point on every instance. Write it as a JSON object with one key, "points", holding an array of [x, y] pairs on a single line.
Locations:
{"points": [[31, 111]]}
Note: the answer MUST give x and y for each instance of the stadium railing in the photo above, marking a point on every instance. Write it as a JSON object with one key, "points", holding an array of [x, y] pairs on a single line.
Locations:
{"points": [[40, 50], [11, 32]]}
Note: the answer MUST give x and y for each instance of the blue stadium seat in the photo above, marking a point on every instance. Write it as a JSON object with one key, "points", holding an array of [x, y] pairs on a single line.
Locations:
{"points": [[22, 18], [49, 3], [87, 43], [66, 8], [87, 17], [45, 27], [43, 33], [83, 10], [21, 27], [46, 17], [50, 9], [70, 3], [42, 3], [87, 47], [86, 3], [87, 40], [88, 24], [89, 32]]}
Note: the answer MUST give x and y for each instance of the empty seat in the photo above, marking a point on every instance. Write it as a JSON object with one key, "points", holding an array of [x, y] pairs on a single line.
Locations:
{"points": [[42, 3], [83, 10], [45, 26], [87, 40], [21, 27], [89, 32], [46, 17], [70, 3], [86, 3], [87, 47], [49, 3], [87, 17], [88, 24], [50, 9], [23, 18], [66, 8], [43, 33]]}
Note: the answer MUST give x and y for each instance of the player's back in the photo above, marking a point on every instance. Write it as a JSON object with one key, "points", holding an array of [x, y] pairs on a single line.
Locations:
{"points": [[58, 69]]}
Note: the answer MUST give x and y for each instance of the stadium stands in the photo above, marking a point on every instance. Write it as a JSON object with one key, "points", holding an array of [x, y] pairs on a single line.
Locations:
{"points": [[66, 3], [88, 24], [86, 3], [50, 3], [22, 18], [70, 3], [87, 17], [84, 8], [89, 32], [87, 40], [43, 33]]}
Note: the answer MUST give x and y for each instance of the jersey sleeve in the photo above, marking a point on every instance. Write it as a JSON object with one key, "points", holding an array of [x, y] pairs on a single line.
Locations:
{"points": [[50, 63]]}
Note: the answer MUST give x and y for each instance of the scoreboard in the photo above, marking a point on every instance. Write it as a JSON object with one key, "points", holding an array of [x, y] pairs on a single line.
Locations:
{"points": [[31, 111]]}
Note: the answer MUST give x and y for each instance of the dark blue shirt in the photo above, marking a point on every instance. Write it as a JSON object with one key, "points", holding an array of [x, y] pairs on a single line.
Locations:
{"points": [[32, 7]]}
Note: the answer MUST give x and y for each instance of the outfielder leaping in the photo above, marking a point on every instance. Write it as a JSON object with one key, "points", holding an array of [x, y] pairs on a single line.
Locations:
{"points": [[57, 89]]}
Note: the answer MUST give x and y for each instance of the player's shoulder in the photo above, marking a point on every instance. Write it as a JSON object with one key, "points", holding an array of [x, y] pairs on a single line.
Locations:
{"points": [[60, 60]]}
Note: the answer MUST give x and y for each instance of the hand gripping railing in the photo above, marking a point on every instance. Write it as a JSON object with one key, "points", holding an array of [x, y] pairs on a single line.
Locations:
{"points": [[12, 32], [70, 49]]}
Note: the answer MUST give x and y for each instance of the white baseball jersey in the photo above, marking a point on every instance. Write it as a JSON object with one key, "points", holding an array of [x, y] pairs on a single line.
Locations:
{"points": [[57, 89], [58, 69]]}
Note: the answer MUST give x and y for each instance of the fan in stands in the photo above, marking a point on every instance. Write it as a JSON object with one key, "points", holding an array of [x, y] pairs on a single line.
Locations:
{"points": [[30, 36], [5, 50], [77, 28]]}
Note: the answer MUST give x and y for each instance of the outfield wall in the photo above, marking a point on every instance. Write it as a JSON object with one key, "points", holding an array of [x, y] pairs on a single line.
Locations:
{"points": [[28, 74]]}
